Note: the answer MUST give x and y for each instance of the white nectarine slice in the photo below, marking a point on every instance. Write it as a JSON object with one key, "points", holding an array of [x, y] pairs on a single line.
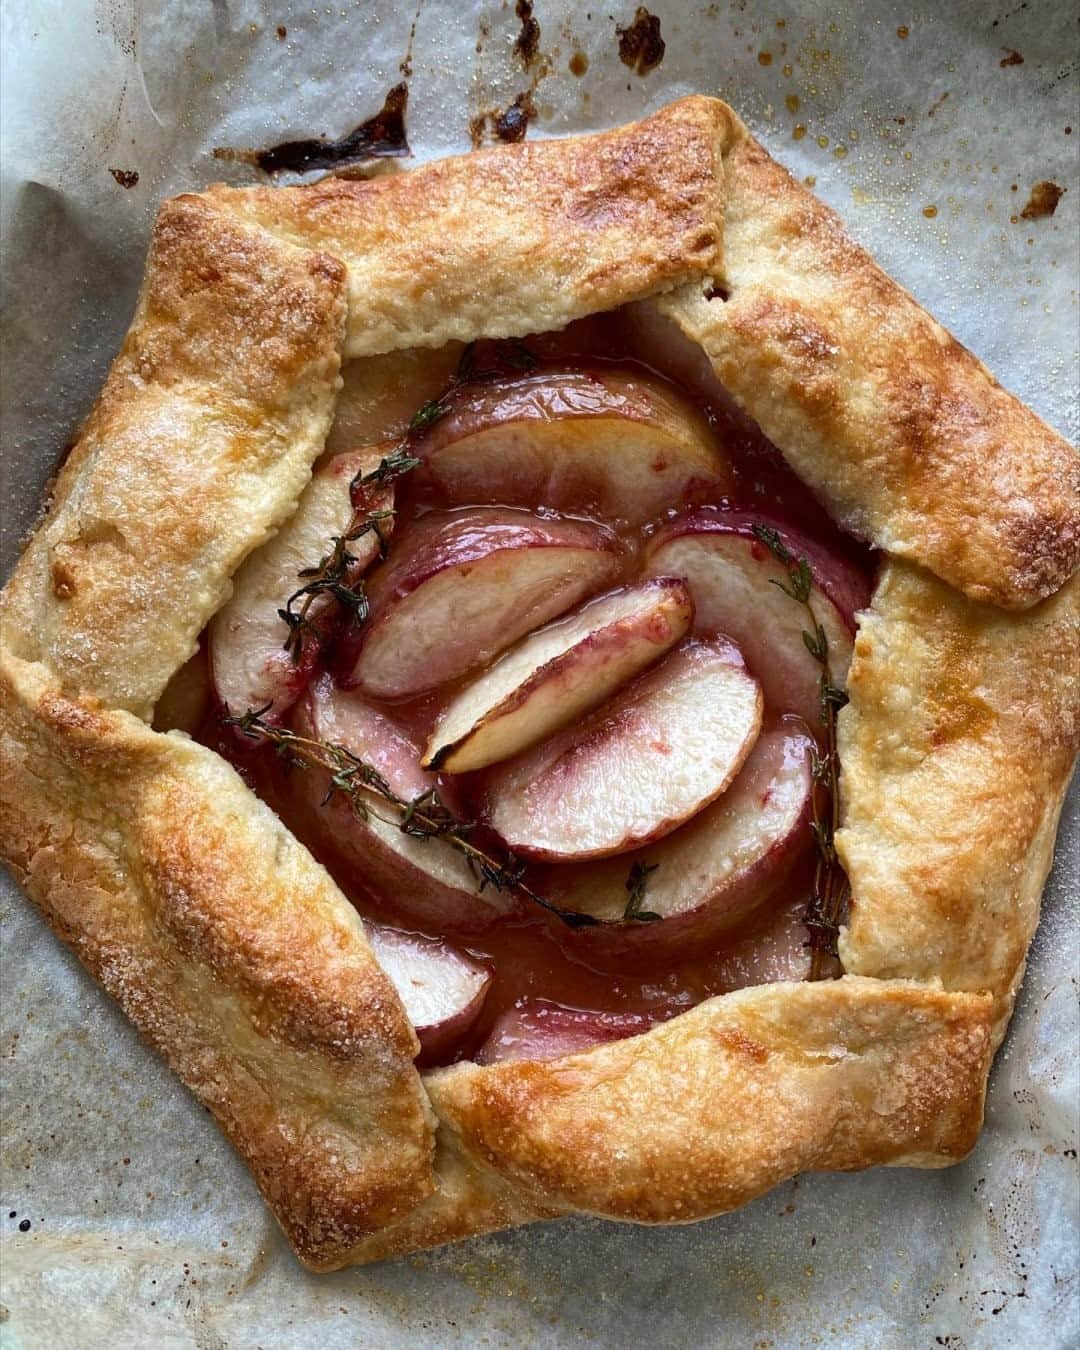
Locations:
{"points": [[730, 574], [465, 585], [558, 674], [249, 665], [423, 878], [535, 1029], [443, 989], [656, 754], [709, 875], [612, 441]]}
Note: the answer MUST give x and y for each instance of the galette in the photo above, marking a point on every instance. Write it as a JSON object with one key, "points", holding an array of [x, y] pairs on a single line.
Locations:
{"points": [[545, 685]]}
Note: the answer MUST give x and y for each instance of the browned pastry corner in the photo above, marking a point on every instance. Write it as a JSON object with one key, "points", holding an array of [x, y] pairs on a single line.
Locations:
{"points": [[234, 952]]}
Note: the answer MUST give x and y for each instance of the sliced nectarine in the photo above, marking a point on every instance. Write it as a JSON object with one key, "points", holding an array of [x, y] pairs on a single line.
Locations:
{"points": [[655, 755], [467, 584], [536, 1029], [424, 878], [249, 665], [443, 989], [558, 674], [731, 573], [608, 440], [708, 876]]}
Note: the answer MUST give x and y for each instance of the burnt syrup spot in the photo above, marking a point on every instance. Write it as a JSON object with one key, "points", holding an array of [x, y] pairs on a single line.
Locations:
{"points": [[380, 137], [527, 42], [640, 45], [513, 122], [508, 125], [1043, 200]]}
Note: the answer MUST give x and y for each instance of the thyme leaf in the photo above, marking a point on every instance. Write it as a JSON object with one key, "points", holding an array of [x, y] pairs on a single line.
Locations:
{"points": [[391, 466], [330, 576], [421, 817], [636, 884], [829, 900], [427, 415]]}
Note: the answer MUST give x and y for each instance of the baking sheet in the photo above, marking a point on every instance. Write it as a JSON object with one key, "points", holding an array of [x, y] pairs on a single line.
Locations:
{"points": [[927, 127]]}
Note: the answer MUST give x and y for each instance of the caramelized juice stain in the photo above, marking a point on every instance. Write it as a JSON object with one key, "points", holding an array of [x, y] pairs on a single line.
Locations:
{"points": [[641, 46], [379, 137]]}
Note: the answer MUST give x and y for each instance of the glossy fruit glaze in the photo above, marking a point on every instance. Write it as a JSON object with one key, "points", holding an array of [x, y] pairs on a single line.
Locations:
{"points": [[535, 957]]}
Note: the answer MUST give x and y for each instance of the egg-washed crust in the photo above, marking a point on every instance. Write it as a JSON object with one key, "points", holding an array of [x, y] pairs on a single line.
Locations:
{"points": [[230, 949], [236, 955], [908, 439], [956, 747]]}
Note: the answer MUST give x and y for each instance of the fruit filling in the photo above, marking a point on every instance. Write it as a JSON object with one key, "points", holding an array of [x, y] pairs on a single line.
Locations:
{"points": [[548, 677]]}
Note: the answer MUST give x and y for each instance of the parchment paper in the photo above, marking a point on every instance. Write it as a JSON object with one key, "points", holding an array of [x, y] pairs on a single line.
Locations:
{"points": [[927, 125]]}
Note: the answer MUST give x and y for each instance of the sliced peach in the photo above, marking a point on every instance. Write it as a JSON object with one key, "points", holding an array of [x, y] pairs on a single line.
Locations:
{"points": [[535, 1029], [633, 771], [425, 879], [443, 989], [558, 674], [249, 665], [708, 876], [612, 441], [730, 574], [467, 584]]}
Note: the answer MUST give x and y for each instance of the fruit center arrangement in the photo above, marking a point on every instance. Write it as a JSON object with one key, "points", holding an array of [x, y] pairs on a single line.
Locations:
{"points": [[546, 672]]}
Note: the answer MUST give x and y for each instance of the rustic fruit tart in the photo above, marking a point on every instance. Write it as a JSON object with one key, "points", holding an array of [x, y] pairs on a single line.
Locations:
{"points": [[544, 686]]}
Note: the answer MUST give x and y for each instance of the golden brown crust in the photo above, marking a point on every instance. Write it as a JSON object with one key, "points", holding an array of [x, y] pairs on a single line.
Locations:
{"points": [[714, 1107], [229, 948], [516, 240], [905, 436], [198, 447], [956, 749], [233, 951]]}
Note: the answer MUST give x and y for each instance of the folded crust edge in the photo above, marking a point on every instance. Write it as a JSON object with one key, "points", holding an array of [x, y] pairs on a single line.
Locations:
{"points": [[708, 1111]]}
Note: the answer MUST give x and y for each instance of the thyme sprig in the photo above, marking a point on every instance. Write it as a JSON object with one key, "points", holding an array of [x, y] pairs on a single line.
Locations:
{"points": [[636, 884], [831, 892], [330, 576], [421, 817]]}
